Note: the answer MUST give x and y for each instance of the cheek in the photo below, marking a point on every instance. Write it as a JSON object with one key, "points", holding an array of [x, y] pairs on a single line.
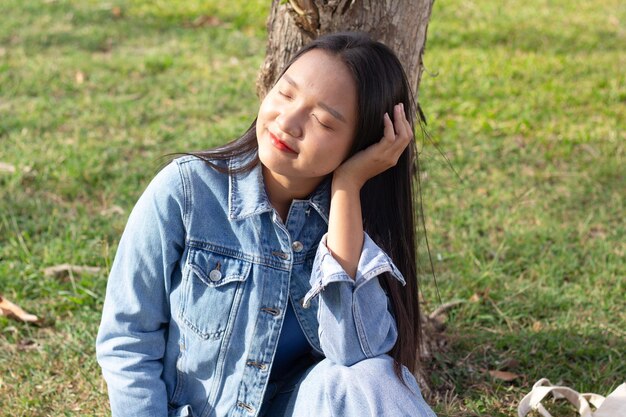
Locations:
{"points": [[340, 153], [261, 115], [266, 109], [328, 159]]}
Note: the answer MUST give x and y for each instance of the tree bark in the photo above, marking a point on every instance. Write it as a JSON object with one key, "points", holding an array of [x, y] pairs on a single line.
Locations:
{"points": [[399, 24]]}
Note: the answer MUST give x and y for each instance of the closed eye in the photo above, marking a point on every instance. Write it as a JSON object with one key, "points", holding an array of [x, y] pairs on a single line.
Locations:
{"points": [[320, 122], [284, 95]]}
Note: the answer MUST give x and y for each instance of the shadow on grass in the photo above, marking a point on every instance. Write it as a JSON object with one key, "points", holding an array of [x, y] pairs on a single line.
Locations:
{"points": [[585, 359]]}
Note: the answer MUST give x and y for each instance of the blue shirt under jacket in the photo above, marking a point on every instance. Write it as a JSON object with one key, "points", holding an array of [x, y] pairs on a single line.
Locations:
{"points": [[199, 287], [292, 346]]}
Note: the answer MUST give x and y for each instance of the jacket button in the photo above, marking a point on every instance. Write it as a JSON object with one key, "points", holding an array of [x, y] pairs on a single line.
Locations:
{"points": [[297, 246], [215, 275]]}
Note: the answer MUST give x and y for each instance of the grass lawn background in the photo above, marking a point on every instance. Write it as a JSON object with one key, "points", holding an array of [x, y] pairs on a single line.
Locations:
{"points": [[527, 100]]}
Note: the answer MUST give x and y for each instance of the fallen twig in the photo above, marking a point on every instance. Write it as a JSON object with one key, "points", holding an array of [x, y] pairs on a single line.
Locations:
{"points": [[60, 270], [444, 308], [9, 309]]}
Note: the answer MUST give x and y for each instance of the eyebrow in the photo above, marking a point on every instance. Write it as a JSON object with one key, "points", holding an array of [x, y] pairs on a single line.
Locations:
{"points": [[323, 105]]}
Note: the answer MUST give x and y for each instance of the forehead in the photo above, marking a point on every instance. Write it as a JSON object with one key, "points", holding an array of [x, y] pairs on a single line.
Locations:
{"points": [[325, 76]]}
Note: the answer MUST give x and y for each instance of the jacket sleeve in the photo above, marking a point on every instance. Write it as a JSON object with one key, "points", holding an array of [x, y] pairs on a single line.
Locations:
{"points": [[131, 339], [355, 321]]}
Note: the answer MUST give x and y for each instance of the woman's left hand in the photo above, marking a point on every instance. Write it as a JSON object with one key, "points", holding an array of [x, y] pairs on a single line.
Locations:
{"points": [[345, 224], [380, 156]]}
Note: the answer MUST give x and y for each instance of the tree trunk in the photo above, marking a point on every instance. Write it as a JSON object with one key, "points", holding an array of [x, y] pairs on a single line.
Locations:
{"points": [[400, 24]]}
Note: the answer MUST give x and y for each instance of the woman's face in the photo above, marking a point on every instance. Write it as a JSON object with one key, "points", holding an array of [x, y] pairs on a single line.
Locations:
{"points": [[306, 123]]}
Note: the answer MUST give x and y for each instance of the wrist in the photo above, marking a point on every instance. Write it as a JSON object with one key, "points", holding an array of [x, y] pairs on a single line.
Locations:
{"points": [[348, 183]]}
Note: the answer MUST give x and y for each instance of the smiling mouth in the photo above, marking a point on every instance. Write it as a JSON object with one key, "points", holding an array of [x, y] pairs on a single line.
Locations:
{"points": [[280, 145]]}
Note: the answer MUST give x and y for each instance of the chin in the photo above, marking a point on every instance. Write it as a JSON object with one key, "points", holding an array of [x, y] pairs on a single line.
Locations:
{"points": [[268, 160]]}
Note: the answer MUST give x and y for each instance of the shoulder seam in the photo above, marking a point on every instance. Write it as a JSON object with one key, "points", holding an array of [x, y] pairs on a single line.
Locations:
{"points": [[186, 192]]}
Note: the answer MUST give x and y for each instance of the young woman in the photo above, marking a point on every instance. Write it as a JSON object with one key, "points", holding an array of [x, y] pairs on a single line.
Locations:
{"points": [[275, 275]]}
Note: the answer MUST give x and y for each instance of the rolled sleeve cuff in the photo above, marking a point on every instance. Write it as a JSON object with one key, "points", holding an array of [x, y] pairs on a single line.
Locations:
{"points": [[326, 270]]}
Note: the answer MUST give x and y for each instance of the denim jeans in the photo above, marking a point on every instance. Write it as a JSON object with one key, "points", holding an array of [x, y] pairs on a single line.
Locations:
{"points": [[325, 389]]}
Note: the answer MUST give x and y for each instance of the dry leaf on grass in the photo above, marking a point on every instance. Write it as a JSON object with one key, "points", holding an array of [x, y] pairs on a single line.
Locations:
{"points": [[480, 296], [112, 210], [206, 20], [66, 269], [475, 298], [504, 375], [14, 311], [509, 363], [27, 344], [4, 167]]}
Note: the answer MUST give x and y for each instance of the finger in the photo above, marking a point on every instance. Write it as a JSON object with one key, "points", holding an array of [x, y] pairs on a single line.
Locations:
{"points": [[407, 125], [399, 126], [405, 128], [402, 133], [388, 132], [399, 123]]}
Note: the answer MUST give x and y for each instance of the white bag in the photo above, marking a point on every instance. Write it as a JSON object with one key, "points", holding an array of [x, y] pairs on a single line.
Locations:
{"points": [[612, 406]]}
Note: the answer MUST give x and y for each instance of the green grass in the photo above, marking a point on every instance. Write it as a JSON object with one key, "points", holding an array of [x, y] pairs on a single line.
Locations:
{"points": [[526, 99]]}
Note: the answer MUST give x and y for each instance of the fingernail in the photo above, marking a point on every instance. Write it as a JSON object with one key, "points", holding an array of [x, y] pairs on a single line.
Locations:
{"points": [[402, 104]]}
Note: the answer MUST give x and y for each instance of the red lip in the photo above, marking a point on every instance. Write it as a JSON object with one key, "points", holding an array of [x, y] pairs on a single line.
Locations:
{"points": [[280, 145]]}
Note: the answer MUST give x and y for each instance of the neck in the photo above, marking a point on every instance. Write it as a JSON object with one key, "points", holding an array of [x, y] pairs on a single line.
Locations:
{"points": [[281, 190]]}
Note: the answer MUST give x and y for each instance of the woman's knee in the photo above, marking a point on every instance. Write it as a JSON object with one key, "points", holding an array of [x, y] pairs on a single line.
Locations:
{"points": [[369, 387]]}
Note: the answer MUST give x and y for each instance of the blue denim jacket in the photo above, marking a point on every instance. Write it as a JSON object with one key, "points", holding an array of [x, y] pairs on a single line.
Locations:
{"points": [[196, 294]]}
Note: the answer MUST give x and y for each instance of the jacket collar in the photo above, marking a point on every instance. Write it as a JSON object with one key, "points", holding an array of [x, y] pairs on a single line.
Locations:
{"points": [[247, 196]]}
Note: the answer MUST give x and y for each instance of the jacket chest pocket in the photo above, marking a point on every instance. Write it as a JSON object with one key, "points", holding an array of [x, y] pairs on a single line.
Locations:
{"points": [[213, 286]]}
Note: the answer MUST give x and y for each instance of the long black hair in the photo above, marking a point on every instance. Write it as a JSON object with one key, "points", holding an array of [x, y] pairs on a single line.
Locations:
{"points": [[388, 203]]}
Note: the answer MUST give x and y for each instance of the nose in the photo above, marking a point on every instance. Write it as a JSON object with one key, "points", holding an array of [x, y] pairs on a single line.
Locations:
{"points": [[290, 121]]}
